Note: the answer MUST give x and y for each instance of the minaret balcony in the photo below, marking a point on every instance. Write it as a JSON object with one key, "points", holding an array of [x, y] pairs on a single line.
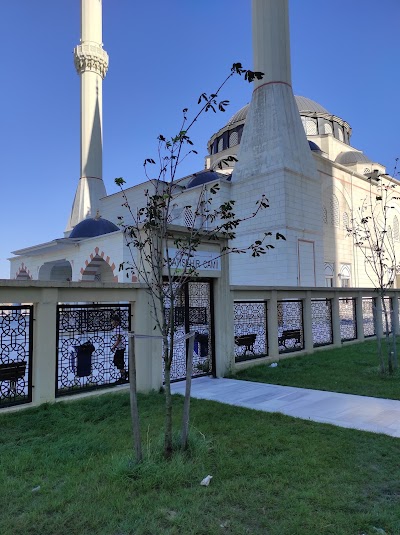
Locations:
{"points": [[91, 57]]}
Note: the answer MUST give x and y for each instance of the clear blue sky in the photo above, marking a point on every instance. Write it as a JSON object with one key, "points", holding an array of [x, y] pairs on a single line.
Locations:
{"points": [[163, 54]]}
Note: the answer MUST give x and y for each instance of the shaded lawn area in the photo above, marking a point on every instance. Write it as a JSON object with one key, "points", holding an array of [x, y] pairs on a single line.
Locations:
{"points": [[64, 470], [352, 369]]}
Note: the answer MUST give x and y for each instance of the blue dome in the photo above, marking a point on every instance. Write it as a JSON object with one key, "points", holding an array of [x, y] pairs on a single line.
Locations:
{"points": [[89, 228], [314, 146]]}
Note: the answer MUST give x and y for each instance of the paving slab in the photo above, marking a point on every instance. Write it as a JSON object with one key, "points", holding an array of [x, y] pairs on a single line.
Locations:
{"points": [[365, 413]]}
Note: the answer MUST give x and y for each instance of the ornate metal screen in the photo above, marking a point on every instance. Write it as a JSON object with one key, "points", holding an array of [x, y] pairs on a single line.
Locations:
{"points": [[16, 329], [88, 337], [290, 326], [347, 316], [368, 310], [388, 306], [250, 330], [321, 313], [193, 313]]}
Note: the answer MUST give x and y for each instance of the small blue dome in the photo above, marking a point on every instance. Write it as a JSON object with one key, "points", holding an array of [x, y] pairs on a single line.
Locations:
{"points": [[314, 146], [91, 227]]}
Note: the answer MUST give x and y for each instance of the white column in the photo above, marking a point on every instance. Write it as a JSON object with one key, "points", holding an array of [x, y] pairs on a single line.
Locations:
{"points": [[271, 41], [91, 62]]}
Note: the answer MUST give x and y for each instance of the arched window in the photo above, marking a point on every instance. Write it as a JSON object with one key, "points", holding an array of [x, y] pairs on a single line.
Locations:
{"points": [[220, 144], [329, 273], [233, 139], [396, 234], [335, 220], [328, 128], [310, 126]]}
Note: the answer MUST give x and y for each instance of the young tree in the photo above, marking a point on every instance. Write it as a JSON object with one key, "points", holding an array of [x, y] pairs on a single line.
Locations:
{"points": [[373, 235], [161, 251]]}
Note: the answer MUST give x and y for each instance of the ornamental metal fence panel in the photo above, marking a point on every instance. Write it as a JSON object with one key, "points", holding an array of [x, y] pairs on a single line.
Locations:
{"points": [[290, 325], [250, 330], [347, 316], [193, 312], [16, 336], [369, 316], [321, 314], [92, 346]]}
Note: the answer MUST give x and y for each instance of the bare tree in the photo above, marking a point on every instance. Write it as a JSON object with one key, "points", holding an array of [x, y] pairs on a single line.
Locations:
{"points": [[162, 252], [373, 236]]}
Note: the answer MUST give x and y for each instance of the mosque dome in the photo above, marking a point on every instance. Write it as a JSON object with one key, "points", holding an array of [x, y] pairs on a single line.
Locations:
{"points": [[304, 104], [91, 227], [352, 157], [316, 120]]}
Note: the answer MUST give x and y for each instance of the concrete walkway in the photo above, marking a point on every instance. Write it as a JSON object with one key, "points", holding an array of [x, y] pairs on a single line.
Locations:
{"points": [[344, 410]]}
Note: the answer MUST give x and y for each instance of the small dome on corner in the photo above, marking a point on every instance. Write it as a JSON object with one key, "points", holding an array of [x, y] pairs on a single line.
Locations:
{"points": [[352, 157]]}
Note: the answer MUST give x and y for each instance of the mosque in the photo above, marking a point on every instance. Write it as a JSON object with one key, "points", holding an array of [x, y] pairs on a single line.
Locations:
{"points": [[289, 148]]}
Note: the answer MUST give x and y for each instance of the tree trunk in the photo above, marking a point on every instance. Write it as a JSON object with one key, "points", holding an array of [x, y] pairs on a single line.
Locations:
{"points": [[186, 404], [168, 404], [137, 442], [387, 335], [394, 341]]}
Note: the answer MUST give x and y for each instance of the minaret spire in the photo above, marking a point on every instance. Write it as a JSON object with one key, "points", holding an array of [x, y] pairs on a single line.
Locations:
{"points": [[91, 62]]}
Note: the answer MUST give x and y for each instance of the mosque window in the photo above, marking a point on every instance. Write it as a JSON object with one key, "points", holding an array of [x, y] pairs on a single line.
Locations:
{"points": [[325, 215], [335, 220], [310, 126], [396, 234], [233, 139], [367, 170], [220, 144], [328, 128], [329, 272], [188, 217], [345, 272], [340, 133], [345, 221]]}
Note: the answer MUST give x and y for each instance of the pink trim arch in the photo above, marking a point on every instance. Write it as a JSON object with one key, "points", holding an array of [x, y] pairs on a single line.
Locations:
{"points": [[93, 266], [23, 273]]}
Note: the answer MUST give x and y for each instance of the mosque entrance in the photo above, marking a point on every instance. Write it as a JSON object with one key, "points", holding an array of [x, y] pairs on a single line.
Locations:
{"points": [[194, 313]]}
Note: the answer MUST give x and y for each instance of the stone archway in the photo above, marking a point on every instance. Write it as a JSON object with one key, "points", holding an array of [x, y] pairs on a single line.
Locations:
{"points": [[59, 270]]}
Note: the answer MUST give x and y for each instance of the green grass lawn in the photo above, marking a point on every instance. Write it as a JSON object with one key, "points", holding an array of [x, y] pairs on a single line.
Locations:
{"points": [[352, 369], [64, 470]]}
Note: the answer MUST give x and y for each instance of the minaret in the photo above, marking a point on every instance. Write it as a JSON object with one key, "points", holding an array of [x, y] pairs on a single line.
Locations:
{"points": [[91, 63], [275, 160]]}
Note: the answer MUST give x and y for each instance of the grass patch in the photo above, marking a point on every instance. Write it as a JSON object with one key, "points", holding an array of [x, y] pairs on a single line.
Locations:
{"points": [[352, 369], [65, 468]]}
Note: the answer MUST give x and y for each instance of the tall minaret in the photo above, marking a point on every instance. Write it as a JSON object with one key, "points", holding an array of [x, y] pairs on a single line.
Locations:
{"points": [[91, 63], [275, 160]]}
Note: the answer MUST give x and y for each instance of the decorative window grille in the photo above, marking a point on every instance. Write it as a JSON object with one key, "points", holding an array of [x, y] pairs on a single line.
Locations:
{"points": [[233, 139], [325, 215], [345, 221], [328, 128], [188, 217], [396, 234], [335, 211], [220, 144], [310, 126]]}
